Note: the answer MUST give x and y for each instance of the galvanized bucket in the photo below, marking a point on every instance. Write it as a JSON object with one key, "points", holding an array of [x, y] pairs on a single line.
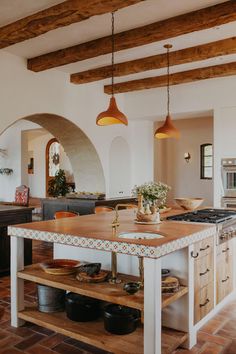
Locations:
{"points": [[50, 299]]}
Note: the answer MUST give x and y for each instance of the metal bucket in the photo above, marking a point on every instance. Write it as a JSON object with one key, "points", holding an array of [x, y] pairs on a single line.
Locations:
{"points": [[50, 299]]}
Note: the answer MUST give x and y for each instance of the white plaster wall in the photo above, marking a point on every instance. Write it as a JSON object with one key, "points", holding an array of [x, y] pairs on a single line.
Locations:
{"points": [[214, 95], [27, 93], [171, 167], [11, 141]]}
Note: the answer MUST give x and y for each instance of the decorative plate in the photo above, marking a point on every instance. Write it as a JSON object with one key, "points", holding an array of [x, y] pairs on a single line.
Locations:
{"points": [[60, 266]]}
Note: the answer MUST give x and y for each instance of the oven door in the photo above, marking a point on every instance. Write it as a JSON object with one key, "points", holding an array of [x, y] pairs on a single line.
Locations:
{"points": [[229, 181]]}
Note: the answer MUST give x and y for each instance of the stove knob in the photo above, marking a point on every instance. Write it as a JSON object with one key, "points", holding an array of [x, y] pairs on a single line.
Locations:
{"points": [[223, 236]]}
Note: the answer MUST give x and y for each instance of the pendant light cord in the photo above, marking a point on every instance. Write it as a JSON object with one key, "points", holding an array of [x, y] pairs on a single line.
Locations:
{"points": [[112, 53], [168, 81]]}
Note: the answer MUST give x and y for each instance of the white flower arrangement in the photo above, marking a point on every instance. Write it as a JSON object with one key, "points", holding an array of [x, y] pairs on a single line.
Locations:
{"points": [[152, 192]]}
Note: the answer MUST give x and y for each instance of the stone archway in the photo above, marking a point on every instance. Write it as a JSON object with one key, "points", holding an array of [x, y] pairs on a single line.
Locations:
{"points": [[85, 162]]}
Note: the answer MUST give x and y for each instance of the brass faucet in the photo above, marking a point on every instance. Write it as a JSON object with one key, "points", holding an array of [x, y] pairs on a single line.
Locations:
{"points": [[115, 224]]}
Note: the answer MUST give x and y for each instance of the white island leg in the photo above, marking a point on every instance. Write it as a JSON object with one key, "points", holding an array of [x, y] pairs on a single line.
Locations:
{"points": [[152, 306], [17, 285]]}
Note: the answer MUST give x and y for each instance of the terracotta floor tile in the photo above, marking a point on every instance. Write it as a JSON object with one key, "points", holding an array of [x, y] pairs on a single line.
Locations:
{"points": [[11, 350], [30, 341], [9, 341], [64, 348], [206, 337], [38, 349], [21, 331], [85, 346], [211, 348], [231, 349], [53, 340], [212, 326]]}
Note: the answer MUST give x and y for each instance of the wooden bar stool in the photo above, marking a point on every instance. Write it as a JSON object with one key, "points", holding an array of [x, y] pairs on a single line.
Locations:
{"points": [[102, 209], [64, 214]]}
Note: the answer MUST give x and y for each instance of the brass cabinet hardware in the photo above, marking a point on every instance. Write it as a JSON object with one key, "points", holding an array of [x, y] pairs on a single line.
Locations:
{"points": [[208, 270], [224, 280], [227, 249], [205, 303], [204, 249], [192, 255]]}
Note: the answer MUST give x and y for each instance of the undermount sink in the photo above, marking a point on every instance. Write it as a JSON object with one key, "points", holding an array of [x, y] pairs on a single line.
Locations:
{"points": [[139, 235]]}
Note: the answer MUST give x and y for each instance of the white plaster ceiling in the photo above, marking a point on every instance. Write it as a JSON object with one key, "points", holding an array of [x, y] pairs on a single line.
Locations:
{"points": [[137, 15]]}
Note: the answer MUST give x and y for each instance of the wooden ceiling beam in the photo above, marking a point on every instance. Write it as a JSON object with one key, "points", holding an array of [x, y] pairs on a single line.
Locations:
{"points": [[175, 79], [162, 30], [60, 15], [188, 55]]}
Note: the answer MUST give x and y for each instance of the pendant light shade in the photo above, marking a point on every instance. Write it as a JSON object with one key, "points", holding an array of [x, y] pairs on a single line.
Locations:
{"points": [[112, 115], [167, 130]]}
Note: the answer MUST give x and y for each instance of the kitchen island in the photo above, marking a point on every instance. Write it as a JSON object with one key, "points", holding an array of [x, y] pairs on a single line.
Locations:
{"points": [[181, 313]]}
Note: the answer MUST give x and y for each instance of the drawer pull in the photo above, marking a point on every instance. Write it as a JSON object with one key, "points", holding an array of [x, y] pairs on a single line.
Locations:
{"points": [[227, 249], [205, 303], [208, 270], [224, 280], [192, 255], [204, 249]]}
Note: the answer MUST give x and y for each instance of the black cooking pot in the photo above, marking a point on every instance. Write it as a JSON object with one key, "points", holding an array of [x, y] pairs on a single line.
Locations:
{"points": [[120, 319], [82, 308]]}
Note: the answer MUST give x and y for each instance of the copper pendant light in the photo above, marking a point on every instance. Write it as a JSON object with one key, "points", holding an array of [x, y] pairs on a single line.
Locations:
{"points": [[167, 130], [112, 115]]}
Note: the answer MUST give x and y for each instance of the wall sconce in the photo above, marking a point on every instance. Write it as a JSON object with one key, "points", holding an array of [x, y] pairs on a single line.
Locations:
{"points": [[187, 157]]}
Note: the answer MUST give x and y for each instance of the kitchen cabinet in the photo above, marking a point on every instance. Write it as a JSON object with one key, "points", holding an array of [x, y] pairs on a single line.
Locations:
{"points": [[203, 256], [224, 270], [11, 215]]}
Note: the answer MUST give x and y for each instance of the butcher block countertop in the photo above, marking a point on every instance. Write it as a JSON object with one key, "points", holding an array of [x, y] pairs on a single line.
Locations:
{"points": [[95, 231]]}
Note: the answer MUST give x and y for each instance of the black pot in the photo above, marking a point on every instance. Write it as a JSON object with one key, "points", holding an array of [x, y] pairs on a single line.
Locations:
{"points": [[82, 308], [120, 319]]}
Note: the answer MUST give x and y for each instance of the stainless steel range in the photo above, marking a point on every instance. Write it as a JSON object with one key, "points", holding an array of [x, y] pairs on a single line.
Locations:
{"points": [[224, 219]]}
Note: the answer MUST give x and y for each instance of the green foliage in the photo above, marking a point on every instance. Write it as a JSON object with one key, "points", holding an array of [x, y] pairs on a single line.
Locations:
{"points": [[57, 185], [152, 192]]}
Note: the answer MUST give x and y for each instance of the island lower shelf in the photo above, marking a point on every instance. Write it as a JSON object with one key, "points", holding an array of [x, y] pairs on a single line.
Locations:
{"points": [[93, 333], [103, 291]]}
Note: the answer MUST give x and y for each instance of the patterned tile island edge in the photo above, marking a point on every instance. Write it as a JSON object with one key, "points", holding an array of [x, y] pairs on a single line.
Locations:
{"points": [[107, 245]]}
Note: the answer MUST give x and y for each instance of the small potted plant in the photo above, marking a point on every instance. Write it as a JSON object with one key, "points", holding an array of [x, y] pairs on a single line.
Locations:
{"points": [[58, 186], [151, 195]]}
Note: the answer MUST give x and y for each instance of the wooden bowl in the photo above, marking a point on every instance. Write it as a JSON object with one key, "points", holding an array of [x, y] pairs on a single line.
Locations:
{"points": [[60, 266], [189, 203]]}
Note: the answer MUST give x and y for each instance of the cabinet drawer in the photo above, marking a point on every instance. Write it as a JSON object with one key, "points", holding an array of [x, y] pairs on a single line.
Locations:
{"points": [[203, 248], [225, 248], [224, 275], [203, 271], [203, 302]]}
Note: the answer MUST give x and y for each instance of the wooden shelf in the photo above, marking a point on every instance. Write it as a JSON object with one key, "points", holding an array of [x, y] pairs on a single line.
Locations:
{"points": [[93, 333], [167, 299], [171, 340], [103, 291]]}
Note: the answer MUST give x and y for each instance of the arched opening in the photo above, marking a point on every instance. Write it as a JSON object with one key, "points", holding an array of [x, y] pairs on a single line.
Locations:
{"points": [[83, 157]]}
